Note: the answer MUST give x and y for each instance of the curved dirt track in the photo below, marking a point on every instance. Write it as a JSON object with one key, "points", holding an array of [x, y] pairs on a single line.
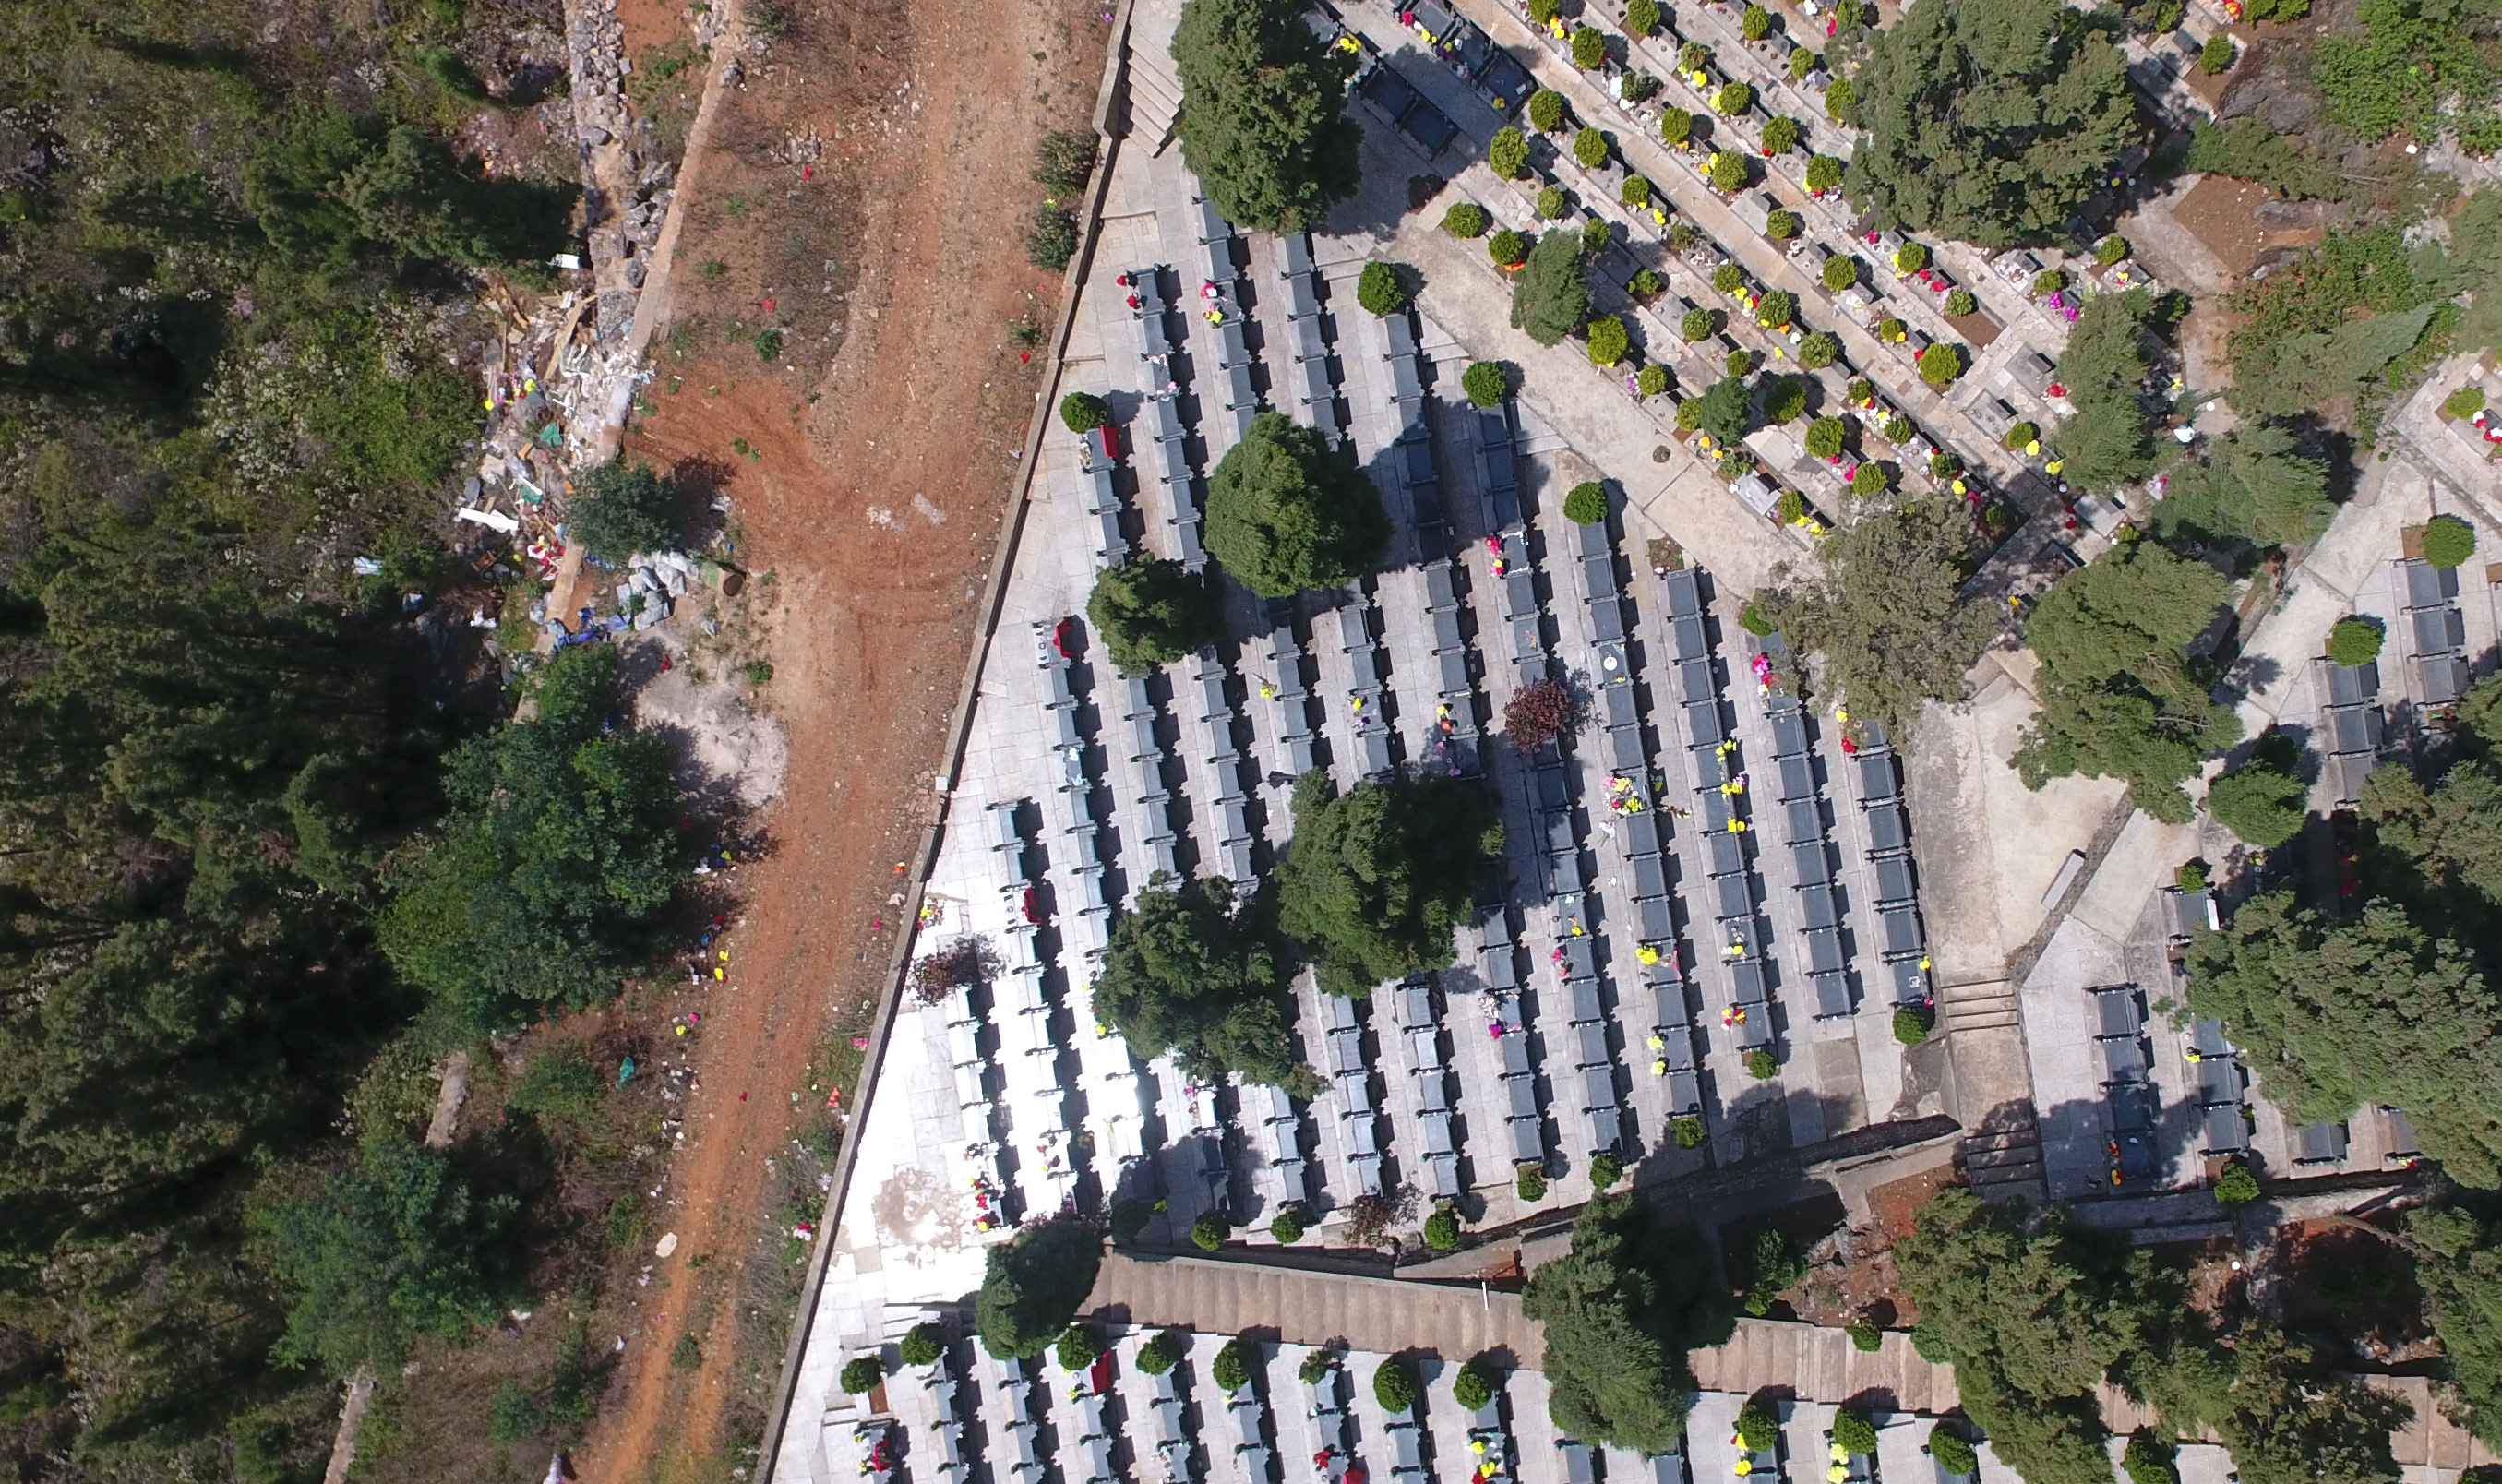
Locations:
{"points": [[876, 511]]}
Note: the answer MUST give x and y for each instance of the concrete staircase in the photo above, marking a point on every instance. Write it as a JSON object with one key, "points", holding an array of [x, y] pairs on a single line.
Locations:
{"points": [[1153, 87], [2005, 1160], [1992, 1006]]}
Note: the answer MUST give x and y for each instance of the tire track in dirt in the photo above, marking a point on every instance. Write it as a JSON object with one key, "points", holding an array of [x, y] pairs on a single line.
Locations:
{"points": [[924, 405]]}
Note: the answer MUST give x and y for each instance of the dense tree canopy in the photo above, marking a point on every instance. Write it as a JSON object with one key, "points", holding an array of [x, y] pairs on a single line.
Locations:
{"points": [[1377, 878], [2264, 800], [1620, 1311], [2107, 440], [1189, 974], [1286, 512], [1881, 611], [2252, 487], [1989, 120], [1033, 1285], [1263, 113], [622, 507], [1150, 612], [2463, 1288], [1551, 294], [555, 862], [2121, 697]]}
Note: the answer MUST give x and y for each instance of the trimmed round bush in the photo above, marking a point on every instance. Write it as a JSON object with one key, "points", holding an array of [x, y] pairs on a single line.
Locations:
{"points": [[1755, 23], [1394, 1386], [1776, 309], [1507, 247], [1865, 1337], [1943, 465], [1635, 192], [2019, 436], [1785, 400], [1687, 1132], [1941, 363], [1910, 257], [1733, 98], [1379, 288], [1853, 1434], [1825, 437], [1316, 1366], [1586, 504], [1507, 153], [1728, 279], [1231, 1371], [1802, 62], [1551, 204], [1472, 1389], [1084, 411], [923, 1345], [1689, 415], [1288, 1227], [1465, 219], [862, 1375], [1791, 508], [1780, 135], [1818, 351], [1860, 393], [1691, 56], [1910, 1025], [1651, 379], [1758, 1429], [1739, 362], [1676, 125], [1898, 430], [1160, 1354], [2237, 1186], [1953, 1450], [2466, 402], [1589, 48], [1696, 325], [1531, 1186], [1841, 273], [1077, 1347], [1762, 1066], [1646, 285], [2354, 641], [1545, 110], [1596, 234], [1606, 1170], [1442, 1230], [2448, 541], [2217, 56], [1868, 480], [1486, 383], [1642, 17], [2047, 282], [1838, 99], [1590, 148], [1823, 172], [2111, 249], [1782, 226], [1960, 303], [1209, 1231], [1727, 172], [1609, 340]]}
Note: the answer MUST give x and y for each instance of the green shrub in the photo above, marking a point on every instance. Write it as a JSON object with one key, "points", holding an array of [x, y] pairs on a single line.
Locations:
{"points": [[1064, 159], [2111, 249], [1728, 279], [1729, 172], [1733, 98], [1754, 22], [2466, 402], [2047, 282], [2020, 435], [769, 345], [1606, 1170], [1696, 325], [1651, 379], [451, 72], [1288, 1227], [924, 1346], [1940, 363], [1465, 219], [2192, 876], [1129, 1217], [1691, 56], [1818, 351], [1231, 1371], [1645, 286], [1590, 148], [1776, 310], [1910, 257], [1596, 234], [1486, 383], [1781, 134], [1394, 1386], [1507, 153], [2148, 1459], [1866, 1337], [1755, 621], [1083, 412], [1790, 508], [1960, 303], [1841, 272], [1802, 62], [1953, 1452], [2217, 56], [1853, 1434], [2354, 642], [1077, 1347], [1209, 1231], [2448, 541], [1051, 238], [619, 508], [1379, 288], [1688, 1131], [1785, 400], [1761, 1066], [1823, 172], [1586, 504], [1642, 17], [1609, 340], [1531, 1186], [688, 1355], [862, 1375], [1552, 204], [559, 1087], [1589, 48], [1860, 393], [1542, 12], [1545, 110], [1507, 247], [1689, 415], [1782, 226], [1739, 362], [1825, 437], [1868, 480], [1758, 1429], [1898, 430], [1152, 611], [1910, 1025], [1838, 99], [1472, 1389], [1635, 192], [1675, 126], [1315, 1369], [2236, 1186], [1442, 1230], [1160, 1354]]}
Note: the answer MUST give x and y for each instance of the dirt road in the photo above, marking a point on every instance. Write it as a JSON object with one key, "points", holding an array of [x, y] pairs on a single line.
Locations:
{"points": [[867, 188]]}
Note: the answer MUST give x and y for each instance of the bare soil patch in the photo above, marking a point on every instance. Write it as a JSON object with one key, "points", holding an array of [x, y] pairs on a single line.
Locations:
{"points": [[2240, 221]]}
